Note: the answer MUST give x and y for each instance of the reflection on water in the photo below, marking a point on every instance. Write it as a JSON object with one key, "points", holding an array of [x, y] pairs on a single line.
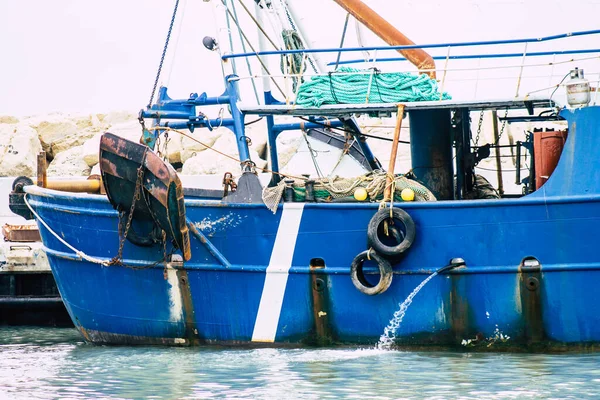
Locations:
{"points": [[48, 363]]}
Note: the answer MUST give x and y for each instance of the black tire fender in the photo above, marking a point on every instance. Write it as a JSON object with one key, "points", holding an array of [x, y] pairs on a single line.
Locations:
{"points": [[398, 215], [358, 277]]}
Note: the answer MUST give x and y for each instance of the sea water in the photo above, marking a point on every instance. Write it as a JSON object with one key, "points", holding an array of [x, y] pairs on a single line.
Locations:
{"points": [[386, 341], [55, 363]]}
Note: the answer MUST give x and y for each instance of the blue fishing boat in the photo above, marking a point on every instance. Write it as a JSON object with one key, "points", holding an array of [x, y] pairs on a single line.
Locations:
{"points": [[319, 261]]}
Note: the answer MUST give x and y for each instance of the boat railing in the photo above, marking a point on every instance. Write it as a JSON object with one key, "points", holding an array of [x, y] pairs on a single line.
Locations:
{"points": [[469, 77], [528, 68]]}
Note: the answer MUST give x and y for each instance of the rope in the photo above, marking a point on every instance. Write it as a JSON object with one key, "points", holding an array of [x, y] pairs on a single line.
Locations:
{"points": [[351, 86], [330, 188], [166, 128], [295, 61], [79, 253], [293, 26], [84, 256], [344, 152]]}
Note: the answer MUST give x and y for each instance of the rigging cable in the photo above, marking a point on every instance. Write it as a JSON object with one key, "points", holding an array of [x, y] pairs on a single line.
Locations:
{"points": [[162, 58], [218, 37], [172, 66], [337, 61], [244, 49], [254, 50], [230, 36], [352, 132], [260, 28], [313, 154], [357, 27]]}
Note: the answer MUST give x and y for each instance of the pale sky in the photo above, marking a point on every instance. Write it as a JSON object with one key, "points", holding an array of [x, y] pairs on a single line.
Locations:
{"points": [[97, 56]]}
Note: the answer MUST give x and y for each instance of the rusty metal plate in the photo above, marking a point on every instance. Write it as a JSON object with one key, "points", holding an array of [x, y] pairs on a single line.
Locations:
{"points": [[162, 198], [21, 233]]}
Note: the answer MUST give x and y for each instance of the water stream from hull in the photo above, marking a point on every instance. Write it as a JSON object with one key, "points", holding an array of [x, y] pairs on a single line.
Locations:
{"points": [[386, 341]]}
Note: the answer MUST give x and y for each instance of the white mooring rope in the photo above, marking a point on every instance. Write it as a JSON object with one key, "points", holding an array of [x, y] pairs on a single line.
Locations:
{"points": [[79, 253]]}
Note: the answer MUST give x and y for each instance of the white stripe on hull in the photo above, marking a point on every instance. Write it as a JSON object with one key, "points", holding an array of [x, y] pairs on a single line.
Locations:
{"points": [[276, 277], [175, 304]]}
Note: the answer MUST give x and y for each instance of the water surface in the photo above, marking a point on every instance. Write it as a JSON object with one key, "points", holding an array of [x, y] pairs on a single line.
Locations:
{"points": [[50, 363]]}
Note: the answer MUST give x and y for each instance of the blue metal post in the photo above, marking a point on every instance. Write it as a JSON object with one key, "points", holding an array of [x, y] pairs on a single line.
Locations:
{"points": [[431, 150], [232, 90]]}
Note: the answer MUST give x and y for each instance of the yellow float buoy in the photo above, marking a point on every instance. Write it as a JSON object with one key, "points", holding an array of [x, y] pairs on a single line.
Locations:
{"points": [[407, 194], [360, 194]]}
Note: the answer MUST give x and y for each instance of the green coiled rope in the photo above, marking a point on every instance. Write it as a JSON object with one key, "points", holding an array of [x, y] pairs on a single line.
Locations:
{"points": [[353, 86]]}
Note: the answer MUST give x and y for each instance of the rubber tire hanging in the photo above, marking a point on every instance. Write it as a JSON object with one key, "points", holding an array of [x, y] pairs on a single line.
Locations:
{"points": [[398, 216], [358, 277]]}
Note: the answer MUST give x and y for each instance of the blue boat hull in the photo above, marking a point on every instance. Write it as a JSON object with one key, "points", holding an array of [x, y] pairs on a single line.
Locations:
{"points": [[270, 293], [531, 275]]}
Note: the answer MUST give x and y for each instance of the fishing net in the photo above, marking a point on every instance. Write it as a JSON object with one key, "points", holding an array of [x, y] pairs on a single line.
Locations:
{"points": [[353, 86], [336, 189], [271, 196]]}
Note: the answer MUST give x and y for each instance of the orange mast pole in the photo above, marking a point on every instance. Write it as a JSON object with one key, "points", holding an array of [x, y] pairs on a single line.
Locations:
{"points": [[386, 31]]}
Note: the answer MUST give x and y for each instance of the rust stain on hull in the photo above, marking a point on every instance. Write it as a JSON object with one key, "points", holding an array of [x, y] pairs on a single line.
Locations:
{"points": [[530, 288], [461, 312], [191, 332], [322, 334]]}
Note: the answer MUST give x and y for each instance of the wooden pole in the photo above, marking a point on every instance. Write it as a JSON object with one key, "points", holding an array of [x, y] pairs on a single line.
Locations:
{"points": [[41, 169], [497, 149], [76, 185], [388, 196]]}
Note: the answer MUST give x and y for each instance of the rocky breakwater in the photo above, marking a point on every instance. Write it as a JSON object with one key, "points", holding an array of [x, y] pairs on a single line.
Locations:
{"points": [[71, 143]]}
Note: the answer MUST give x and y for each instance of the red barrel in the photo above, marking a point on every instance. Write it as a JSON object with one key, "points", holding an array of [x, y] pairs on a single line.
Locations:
{"points": [[547, 148]]}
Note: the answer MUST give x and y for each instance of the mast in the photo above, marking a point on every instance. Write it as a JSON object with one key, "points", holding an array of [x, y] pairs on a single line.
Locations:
{"points": [[268, 99], [262, 46]]}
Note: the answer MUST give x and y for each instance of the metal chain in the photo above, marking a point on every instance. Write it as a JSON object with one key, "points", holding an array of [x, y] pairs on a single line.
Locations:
{"points": [[479, 128], [136, 196], [162, 58], [503, 126]]}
